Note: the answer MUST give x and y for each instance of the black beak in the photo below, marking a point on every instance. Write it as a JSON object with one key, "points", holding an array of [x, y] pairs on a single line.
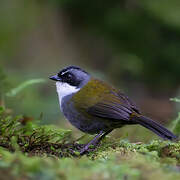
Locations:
{"points": [[55, 78]]}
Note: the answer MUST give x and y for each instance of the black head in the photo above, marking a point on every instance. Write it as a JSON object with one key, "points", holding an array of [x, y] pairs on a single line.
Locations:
{"points": [[73, 76]]}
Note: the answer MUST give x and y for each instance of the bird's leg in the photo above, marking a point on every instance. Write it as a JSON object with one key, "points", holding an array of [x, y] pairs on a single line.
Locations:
{"points": [[103, 136], [94, 141]]}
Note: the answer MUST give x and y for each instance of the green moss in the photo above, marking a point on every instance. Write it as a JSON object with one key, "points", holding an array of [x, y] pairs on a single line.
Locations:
{"points": [[16, 134], [176, 125], [117, 164], [31, 151]]}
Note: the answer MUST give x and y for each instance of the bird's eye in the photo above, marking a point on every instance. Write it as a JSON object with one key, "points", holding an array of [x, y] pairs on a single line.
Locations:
{"points": [[69, 76], [65, 76]]}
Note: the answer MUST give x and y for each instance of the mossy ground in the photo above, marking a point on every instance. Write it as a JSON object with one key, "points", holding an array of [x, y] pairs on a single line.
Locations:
{"points": [[31, 151]]}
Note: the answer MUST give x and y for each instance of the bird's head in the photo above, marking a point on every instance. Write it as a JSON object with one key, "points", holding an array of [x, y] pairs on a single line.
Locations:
{"points": [[70, 80]]}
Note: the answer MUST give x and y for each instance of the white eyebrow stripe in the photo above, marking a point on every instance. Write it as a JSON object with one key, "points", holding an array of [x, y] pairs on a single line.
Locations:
{"points": [[64, 72]]}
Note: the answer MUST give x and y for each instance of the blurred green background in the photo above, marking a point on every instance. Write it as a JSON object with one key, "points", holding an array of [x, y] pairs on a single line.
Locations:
{"points": [[134, 45]]}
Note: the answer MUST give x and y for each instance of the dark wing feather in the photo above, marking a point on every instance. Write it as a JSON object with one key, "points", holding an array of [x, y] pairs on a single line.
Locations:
{"points": [[127, 101], [117, 107], [110, 111]]}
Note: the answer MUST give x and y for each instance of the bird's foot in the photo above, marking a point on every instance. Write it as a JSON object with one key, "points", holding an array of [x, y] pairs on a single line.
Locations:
{"points": [[88, 148], [94, 142]]}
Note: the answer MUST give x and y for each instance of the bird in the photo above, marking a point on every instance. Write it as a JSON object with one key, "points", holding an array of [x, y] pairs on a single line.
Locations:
{"points": [[95, 107]]}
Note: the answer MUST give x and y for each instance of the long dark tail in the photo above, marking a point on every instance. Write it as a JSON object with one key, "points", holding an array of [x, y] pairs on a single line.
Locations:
{"points": [[155, 127]]}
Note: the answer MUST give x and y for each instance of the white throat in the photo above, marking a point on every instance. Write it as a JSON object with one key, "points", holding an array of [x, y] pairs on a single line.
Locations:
{"points": [[64, 89]]}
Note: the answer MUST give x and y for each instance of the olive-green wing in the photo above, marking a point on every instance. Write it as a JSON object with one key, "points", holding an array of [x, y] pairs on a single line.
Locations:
{"points": [[101, 100], [116, 106]]}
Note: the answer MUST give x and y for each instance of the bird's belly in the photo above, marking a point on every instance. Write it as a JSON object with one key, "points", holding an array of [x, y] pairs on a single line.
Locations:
{"points": [[85, 124]]}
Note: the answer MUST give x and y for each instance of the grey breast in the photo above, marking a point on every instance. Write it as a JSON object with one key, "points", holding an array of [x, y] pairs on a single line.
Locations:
{"points": [[91, 126]]}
